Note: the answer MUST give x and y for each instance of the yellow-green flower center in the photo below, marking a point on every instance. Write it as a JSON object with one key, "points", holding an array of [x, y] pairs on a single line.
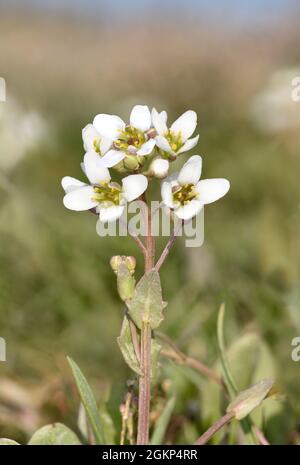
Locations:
{"points": [[174, 139], [130, 137], [107, 193], [184, 194]]}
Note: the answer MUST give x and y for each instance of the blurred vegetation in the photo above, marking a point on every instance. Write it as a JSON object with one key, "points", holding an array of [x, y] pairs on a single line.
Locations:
{"points": [[57, 291]]}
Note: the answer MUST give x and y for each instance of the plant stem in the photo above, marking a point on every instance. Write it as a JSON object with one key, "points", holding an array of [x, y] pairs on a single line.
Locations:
{"points": [[167, 248], [144, 386], [214, 428], [145, 350]]}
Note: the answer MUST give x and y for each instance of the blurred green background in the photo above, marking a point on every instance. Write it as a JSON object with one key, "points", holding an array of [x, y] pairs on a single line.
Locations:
{"points": [[57, 293]]}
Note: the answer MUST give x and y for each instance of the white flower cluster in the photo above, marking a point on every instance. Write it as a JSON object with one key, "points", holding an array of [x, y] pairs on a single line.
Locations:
{"points": [[141, 149]]}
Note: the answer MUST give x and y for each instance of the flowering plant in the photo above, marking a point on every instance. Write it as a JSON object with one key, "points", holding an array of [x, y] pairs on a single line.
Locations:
{"points": [[141, 152]]}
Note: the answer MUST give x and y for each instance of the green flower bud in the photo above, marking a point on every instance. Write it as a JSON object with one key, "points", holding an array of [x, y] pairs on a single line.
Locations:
{"points": [[125, 282], [131, 162], [131, 264], [124, 268], [115, 262]]}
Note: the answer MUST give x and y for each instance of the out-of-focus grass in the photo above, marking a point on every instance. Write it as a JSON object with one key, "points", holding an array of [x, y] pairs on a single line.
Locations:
{"points": [[57, 292]]}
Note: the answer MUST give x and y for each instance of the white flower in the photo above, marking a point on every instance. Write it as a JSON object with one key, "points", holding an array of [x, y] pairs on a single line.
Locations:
{"points": [[159, 168], [131, 139], [94, 143], [186, 195], [175, 140], [108, 198]]}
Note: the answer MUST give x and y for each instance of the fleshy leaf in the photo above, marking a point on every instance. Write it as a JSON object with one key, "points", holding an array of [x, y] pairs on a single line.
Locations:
{"points": [[88, 401], [8, 442], [249, 399], [54, 435], [127, 348], [146, 305]]}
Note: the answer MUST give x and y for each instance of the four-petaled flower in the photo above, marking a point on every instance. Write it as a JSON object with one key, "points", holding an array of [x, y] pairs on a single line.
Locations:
{"points": [[175, 140], [106, 197], [128, 140], [186, 195], [94, 143]]}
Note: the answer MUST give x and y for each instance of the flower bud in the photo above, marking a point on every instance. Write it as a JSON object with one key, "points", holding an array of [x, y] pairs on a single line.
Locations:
{"points": [[131, 264], [115, 262], [159, 168], [131, 162]]}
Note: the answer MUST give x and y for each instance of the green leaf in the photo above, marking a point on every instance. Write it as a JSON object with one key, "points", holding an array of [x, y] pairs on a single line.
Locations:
{"points": [[249, 399], [228, 379], [230, 384], [83, 425], [250, 360], [162, 423], [155, 351], [88, 401], [146, 305], [108, 425], [127, 348], [8, 442], [54, 435]]}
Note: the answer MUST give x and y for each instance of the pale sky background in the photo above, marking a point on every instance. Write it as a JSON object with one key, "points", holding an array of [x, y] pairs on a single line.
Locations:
{"points": [[254, 10]]}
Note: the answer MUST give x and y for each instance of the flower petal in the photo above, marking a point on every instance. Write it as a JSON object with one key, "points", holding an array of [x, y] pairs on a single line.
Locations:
{"points": [[159, 121], [105, 145], [191, 171], [164, 115], [163, 144], [188, 211], [70, 184], [109, 125], [140, 117], [89, 135], [146, 148], [80, 199], [185, 124], [134, 185], [94, 169], [112, 158], [211, 190], [112, 213], [189, 144], [166, 194]]}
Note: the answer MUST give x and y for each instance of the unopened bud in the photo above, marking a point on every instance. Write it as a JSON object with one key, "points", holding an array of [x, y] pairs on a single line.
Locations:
{"points": [[115, 262], [159, 168], [131, 264], [131, 162]]}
